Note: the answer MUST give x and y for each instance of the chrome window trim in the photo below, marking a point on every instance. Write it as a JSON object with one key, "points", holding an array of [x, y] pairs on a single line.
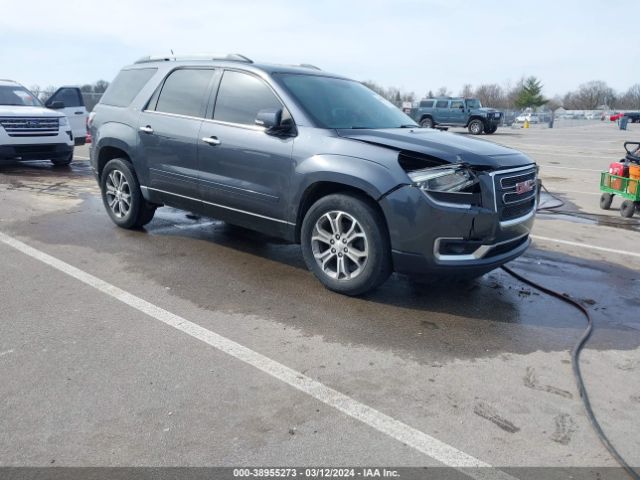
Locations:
{"points": [[218, 205], [208, 120]]}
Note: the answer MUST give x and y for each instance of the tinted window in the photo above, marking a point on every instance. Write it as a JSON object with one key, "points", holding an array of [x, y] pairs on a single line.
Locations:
{"points": [[126, 86], [426, 104], [442, 103], [339, 103], [17, 96], [69, 96], [457, 104], [241, 96], [184, 92]]}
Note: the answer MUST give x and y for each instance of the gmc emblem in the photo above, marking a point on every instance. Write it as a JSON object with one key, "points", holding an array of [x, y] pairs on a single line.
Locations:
{"points": [[524, 187]]}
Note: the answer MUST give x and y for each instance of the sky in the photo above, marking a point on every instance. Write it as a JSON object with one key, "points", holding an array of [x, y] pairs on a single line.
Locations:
{"points": [[416, 45]]}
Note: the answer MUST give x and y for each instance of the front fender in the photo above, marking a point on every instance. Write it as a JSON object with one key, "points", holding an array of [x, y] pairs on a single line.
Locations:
{"points": [[368, 176]]}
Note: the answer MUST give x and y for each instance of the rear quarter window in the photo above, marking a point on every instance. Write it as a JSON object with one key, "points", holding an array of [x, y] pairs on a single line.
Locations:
{"points": [[426, 104], [126, 86]]}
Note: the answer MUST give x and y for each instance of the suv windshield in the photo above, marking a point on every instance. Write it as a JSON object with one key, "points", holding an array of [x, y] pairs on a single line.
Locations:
{"points": [[473, 104], [338, 103], [18, 96]]}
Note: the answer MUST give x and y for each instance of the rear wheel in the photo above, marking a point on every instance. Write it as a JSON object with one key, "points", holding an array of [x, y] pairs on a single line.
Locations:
{"points": [[476, 127], [426, 122], [62, 162], [627, 209], [606, 199], [122, 197], [345, 244]]}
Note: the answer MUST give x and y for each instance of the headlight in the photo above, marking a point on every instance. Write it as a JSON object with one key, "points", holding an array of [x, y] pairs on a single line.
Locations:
{"points": [[63, 121], [451, 186], [444, 179]]}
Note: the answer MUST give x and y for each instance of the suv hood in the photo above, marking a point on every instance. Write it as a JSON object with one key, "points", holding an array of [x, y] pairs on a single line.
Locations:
{"points": [[450, 147], [15, 111]]}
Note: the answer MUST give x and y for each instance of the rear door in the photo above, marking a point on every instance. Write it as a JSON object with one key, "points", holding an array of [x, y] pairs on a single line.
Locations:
{"points": [[168, 131], [74, 109]]}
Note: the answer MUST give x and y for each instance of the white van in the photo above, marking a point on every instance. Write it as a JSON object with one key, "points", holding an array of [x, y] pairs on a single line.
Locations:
{"points": [[29, 131]]}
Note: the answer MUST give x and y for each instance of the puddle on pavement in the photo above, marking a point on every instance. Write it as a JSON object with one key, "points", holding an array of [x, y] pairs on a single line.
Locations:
{"points": [[224, 268], [43, 178]]}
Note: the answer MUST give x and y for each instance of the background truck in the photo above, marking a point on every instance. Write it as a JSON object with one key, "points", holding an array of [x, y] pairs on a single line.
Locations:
{"points": [[457, 112]]}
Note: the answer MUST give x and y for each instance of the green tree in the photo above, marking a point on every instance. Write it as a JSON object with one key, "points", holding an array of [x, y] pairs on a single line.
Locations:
{"points": [[530, 95]]}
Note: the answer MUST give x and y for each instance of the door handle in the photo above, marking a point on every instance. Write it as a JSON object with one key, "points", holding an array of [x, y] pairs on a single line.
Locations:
{"points": [[211, 140], [78, 113], [146, 129]]}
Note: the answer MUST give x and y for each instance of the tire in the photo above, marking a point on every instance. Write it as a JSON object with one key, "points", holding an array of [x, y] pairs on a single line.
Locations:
{"points": [[118, 184], [62, 162], [476, 127], [605, 201], [627, 209], [491, 130], [324, 224], [426, 122]]}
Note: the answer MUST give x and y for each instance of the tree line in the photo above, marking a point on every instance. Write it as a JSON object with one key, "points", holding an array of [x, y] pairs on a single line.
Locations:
{"points": [[527, 93]]}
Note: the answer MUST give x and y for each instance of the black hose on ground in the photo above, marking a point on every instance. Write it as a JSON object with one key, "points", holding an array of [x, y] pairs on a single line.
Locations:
{"points": [[575, 364]]}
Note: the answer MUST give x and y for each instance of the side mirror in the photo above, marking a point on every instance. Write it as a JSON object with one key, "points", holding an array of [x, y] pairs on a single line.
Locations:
{"points": [[269, 118], [56, 105], [461, 107]]}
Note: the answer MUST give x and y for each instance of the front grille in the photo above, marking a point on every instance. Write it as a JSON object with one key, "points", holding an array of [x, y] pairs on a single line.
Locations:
{"points": [[510, 212], [510, 202], [30, 127]]}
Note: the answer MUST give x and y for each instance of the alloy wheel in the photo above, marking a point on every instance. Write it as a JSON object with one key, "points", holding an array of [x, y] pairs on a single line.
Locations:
{"points": [[118, 193], [340, 245]]}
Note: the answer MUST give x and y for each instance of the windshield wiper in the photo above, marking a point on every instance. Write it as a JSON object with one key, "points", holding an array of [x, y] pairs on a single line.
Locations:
{"points": [[408, 126]]}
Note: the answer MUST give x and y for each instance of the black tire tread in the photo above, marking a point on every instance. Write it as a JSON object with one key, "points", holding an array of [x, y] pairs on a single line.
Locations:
{"points": [[141, 211], [380, 264]]}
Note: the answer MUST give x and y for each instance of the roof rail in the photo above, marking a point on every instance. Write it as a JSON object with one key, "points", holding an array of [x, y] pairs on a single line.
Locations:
{"points": [[308, 65], [234, 57]]}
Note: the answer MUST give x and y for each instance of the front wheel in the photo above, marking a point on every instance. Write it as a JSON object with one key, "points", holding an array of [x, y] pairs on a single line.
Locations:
{"points": [[491, 130], [122, 197], [426, 122], [476, 127], [345, 244], [64, 161], [606, 199]]}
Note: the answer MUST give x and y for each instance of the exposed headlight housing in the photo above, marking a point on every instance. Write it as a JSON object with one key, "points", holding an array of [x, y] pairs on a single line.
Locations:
{"points": [[63, 121], [450, 184]]}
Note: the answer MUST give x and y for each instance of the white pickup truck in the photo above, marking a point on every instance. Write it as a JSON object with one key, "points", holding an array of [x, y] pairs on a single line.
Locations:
{"points": [[31, 131]]}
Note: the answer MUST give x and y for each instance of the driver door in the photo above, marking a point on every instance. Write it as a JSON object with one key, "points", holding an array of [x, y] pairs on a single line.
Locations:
{"points": [[456, 112], [244, 169], [74, 109]]}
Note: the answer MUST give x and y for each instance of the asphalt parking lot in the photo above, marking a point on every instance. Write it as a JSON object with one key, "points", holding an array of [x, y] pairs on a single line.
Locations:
{"points": [[195, 343]]}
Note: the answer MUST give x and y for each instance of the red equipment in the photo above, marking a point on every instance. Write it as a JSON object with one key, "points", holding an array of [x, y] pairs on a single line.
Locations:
{"points": [[620, 170]]}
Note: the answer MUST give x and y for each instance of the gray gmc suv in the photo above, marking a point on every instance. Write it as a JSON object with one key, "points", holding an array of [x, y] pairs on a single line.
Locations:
{"points": [[314, 158]]}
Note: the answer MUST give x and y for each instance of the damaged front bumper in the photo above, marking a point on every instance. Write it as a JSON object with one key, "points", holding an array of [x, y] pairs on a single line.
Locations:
{"points": [[428, 235]]}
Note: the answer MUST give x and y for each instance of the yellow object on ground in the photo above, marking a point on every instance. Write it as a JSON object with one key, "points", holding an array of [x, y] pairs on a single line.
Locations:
{"points": [[526, 124]]}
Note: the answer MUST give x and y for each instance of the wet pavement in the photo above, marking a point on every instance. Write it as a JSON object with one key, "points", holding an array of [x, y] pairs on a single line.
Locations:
{"points": [[482, 365]]}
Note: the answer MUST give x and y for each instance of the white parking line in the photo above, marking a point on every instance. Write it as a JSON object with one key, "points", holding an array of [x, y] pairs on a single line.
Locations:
{"points": [[80, 158], [420, 441], [586, 245]]}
